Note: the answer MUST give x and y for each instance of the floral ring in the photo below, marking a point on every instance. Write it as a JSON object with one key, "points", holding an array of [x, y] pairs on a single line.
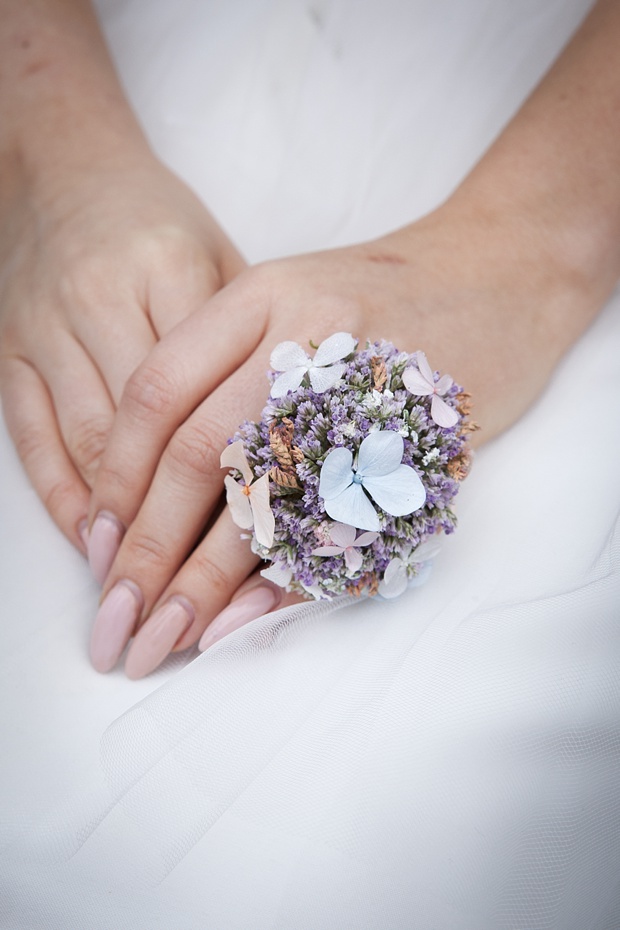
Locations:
{"points": [[347, 481]]}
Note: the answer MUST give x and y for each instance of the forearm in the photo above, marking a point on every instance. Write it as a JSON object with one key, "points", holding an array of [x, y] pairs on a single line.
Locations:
{"points": [[555, 170], [61, 103]]}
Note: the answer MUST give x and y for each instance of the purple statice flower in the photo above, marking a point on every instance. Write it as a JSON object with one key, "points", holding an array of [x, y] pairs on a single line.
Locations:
{"points": [[299, 430]]}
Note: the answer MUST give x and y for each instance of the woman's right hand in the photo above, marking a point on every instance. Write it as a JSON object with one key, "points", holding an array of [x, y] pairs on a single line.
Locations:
{"points": [[97, 263]]}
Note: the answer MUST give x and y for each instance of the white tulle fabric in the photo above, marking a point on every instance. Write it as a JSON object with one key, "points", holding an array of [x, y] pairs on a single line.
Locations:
{"points": [[447, 760]]}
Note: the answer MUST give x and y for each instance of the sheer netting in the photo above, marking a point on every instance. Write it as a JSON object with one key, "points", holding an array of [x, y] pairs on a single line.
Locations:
{"points": [[447, 761]]}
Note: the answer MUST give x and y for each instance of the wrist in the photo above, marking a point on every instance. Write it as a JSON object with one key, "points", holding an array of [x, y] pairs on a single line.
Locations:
{"points": [[62, 108]]}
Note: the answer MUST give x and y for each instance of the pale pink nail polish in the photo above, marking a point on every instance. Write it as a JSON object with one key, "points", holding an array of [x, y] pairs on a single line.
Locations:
{"points": [[254, 603], [158, 636], [103, 544], [83, 532], [114, 624]]}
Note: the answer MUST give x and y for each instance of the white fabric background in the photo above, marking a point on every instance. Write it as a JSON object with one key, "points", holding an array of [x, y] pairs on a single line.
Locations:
{"points": [[449, 761]]}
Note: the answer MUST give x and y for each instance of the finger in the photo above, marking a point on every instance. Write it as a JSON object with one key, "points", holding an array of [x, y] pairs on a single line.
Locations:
{"points": [[119, 346], [84, 409], [187, 487], [186, 367], [32, 424], [199, 591], [186, 287], [254, 598]]}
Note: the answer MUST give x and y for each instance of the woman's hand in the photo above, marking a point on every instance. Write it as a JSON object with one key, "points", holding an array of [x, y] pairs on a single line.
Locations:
{"points": [[95, 266], [485, 304], [102, 249], [494, 286]]}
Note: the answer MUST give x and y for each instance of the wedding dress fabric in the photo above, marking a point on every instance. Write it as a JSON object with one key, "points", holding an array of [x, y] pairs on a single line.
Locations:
{"points": [[449, 760]]}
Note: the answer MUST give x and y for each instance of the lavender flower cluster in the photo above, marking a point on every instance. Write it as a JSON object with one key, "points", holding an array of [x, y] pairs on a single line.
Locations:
{"points": [[298, 431]]}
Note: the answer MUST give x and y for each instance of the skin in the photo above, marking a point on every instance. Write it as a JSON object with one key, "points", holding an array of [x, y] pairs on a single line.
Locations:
{"points": [[102, 249], [494, 285]]}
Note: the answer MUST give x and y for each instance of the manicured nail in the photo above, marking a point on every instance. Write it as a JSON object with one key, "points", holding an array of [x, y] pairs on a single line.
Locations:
{"points": [[82, 529], [254, 603], [114, 624], [104, 542], [158, 636]]}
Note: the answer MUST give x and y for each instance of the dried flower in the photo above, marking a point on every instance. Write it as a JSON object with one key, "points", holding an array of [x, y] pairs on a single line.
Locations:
{"points": [[307, 430]]}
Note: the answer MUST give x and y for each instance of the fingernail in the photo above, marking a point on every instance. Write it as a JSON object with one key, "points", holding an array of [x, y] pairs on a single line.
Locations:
{"points": [[114, 624], [82, 529], [104, 542], [158, 636], [254, 603]]}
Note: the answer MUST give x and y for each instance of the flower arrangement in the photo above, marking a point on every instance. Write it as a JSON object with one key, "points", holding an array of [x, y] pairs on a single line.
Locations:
{"points": [[347, 481]]}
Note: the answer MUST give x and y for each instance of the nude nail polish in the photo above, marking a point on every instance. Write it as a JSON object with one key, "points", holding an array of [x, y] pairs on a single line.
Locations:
{"points": [[103, 544], [254, 603], [115, 622], [83, 533], [158, 636]]}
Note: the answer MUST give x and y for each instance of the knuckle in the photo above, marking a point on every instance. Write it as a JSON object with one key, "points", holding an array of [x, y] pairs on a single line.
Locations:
{"points": [[88, 441], [262, 281], [115, 480], [193, 451], [30, 442], [83, 281], [152, 391], [147, 552], [58, 496], [212, 574]]}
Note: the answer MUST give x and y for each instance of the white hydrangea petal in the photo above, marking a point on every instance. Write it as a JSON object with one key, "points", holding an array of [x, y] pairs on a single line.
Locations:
{"points": [[395, 580], [234, 456], [425, 551], [288, 355], [425, 368], [238, 503], [278, 574], [442, 414], [399, 493], [264, 520], [353, 560], [366, 539], [288, 381], [422, 576], [343, 535], [321, 379], [328, 550], [334, 348], [443, 385], [315, 591], [336, 473], [352, 506], [416, 383], [380, 453]]}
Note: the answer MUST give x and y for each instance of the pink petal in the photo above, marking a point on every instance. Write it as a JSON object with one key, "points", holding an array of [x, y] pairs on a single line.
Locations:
{"points": [[416, 383], [328, 550], [442, 414], [353, 559], [233, 456], [425, 368], [264, 520], [239, 504], [342, 534], [278, 573], [365, 539]]}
